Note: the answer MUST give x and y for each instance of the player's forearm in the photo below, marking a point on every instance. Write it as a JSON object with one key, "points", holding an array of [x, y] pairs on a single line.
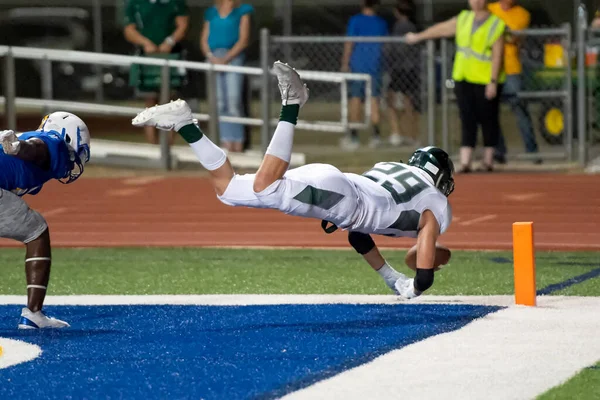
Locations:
{"points": [[35, 151], [133, 36]]}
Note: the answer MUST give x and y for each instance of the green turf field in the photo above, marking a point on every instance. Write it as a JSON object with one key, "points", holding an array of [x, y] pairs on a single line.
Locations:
{"points": [[239, 271]]}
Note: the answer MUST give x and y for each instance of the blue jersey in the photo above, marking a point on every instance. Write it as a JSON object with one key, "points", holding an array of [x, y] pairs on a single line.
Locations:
{"points": [[25, 177], [366, 57]]}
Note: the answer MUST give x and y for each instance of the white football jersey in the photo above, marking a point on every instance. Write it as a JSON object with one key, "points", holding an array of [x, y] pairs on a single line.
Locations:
{"points": [[392, 198]]}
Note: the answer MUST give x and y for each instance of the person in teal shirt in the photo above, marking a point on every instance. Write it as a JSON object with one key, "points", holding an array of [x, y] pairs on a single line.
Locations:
{"points": [[225, 37]]}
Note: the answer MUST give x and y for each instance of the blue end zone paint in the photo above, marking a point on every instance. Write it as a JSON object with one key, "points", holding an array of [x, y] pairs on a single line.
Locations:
{"points": [[212, 352], [569, 282]]}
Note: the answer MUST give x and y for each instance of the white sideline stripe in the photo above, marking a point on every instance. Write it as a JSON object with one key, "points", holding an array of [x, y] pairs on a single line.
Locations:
{"points": [[515, 353], [258, 299], [17, 352]]}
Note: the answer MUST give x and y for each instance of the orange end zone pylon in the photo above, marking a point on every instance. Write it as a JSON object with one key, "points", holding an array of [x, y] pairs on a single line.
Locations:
{"points": [[524, 263]]}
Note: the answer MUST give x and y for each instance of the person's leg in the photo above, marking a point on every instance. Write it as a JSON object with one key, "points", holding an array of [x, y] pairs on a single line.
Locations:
{"points": [[21, 223], [178, 116], [277, 158], [234, 87], [393, 119], [511, 88], [465, 100], [354, 115], [490, 125], [375, 110], [222, 107]]}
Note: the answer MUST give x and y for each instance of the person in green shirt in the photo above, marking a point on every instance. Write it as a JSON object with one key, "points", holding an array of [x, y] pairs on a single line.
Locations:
{"points": [[156, 28]]}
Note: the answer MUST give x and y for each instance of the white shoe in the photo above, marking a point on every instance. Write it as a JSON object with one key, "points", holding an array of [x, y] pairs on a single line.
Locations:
{"points": [[293, 90], [170, 116], [375, 142], [396, 139], [406, 288], [38, 320], [347, 143]]}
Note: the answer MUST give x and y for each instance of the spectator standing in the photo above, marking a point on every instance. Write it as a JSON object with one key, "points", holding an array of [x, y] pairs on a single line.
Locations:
{"points": [[156, 28], [364, 58], [403, 63], [225, 37], [478, 75], [516, 18]]}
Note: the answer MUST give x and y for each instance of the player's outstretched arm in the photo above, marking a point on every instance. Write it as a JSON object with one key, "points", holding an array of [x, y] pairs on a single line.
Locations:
{"points": [[365, 246], [33, 150], [429, 231]]}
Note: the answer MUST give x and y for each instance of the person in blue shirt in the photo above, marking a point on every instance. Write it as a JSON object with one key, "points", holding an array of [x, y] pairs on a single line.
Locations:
{"points": [[58, 149], [365, 58], [225, 37]]}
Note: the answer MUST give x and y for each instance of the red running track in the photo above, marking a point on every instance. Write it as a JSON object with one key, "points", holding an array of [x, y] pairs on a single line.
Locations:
{"points": [[109, 212]]}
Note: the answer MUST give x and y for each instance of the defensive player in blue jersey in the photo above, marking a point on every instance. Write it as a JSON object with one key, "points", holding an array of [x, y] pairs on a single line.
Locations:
{"points": [[58, 150]]}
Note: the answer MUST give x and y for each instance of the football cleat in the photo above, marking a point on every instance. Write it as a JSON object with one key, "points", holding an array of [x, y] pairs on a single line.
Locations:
{"points": [[38, 320], [293, 90], [170, 116]]}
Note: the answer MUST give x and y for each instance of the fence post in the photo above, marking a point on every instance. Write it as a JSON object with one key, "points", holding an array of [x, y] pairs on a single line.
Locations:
{"points": [[444, 90], [98, 48], [265, 88], [46, 82], [430, 93], [581, 84], [165, 97], [213, 105], [569, 118], [10, 91]]}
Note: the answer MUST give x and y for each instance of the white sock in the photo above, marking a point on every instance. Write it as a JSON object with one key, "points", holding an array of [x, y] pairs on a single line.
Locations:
{"points": [[209, 154], [389, 275], [281, 143]]}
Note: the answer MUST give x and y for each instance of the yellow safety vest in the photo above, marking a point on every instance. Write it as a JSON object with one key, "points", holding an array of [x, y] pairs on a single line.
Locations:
{"points": [[473, 59]]}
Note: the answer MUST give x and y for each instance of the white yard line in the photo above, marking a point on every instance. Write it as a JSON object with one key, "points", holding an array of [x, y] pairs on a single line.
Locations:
{"points": [[515, 353], [478, 220], [256, 299]]}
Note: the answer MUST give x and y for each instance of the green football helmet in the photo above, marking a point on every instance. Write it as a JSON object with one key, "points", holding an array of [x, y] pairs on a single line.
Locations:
{"points": [[438, 165]]}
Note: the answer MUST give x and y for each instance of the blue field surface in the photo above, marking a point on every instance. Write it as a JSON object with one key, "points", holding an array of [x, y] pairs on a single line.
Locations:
{"points": [[212, 352]]}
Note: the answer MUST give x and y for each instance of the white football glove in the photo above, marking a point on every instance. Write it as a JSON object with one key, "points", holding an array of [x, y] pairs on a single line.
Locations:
{"points": [[10, 142], [406, 288]]}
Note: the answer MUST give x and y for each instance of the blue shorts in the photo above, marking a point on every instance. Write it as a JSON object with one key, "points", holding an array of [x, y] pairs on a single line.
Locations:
{"points": [[357, 88]]}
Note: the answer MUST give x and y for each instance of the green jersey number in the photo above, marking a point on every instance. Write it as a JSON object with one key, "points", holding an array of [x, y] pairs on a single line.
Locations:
{"points": [[397, 179]]}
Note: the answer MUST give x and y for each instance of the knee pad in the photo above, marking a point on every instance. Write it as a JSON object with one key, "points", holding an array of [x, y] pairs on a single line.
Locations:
{"points": [[361, 242], [424, 279]]}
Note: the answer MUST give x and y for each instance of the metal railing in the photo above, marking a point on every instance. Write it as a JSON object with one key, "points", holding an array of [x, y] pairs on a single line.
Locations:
{"points": [[47, 56]]}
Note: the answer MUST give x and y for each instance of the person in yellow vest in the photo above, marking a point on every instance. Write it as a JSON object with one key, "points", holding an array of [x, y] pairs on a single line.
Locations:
{"points": [[478, 75], [516, 18]]}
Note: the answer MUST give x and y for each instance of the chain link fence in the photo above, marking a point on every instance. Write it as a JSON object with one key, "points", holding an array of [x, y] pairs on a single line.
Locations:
{"points": [[400, 103]]}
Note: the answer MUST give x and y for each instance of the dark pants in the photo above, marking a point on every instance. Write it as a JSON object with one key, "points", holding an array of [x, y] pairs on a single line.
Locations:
{"points": [[475, 110], [509, 94]]}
